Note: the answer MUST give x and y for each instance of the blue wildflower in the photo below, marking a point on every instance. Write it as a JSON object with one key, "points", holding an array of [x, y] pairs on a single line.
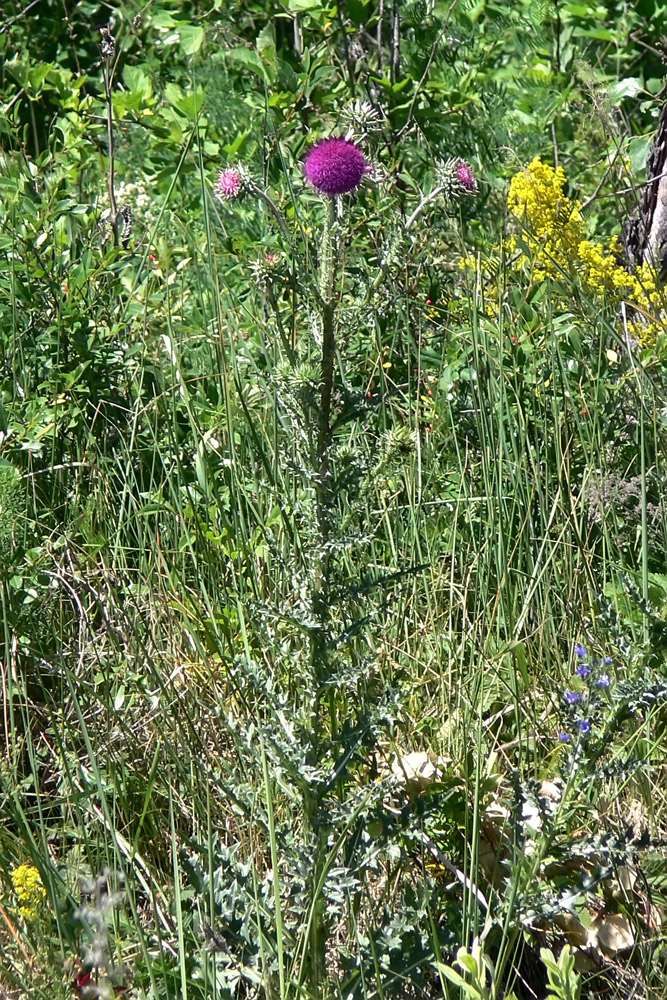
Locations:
{"points": [[603, 681], [572, 697], [580, 651], [607, 660], [584, 670], [584, 726], [564, 737]]}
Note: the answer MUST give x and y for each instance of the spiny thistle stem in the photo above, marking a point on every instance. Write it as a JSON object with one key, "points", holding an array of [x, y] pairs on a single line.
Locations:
{"points": [[327, 275], [423, 204], [455, 179], [108, 49], [270, 204]]}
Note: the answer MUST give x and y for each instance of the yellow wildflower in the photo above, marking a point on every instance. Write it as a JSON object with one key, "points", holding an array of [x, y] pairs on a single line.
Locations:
{"points": [[554, 232], [29, 890], [554, 224]]}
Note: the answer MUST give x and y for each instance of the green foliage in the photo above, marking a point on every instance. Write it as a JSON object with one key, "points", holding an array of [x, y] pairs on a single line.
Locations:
{"points": [[12, 508], [564, 983], [227, 620]]}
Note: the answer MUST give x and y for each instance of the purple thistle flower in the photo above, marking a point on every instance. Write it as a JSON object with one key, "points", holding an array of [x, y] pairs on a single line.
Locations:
{"points": [[583, 670], [603, 681], [572, 697], [455, 178], [580, 651], [334, 166], [564, 737], [465, 176], [584, 726], [229, 184]]}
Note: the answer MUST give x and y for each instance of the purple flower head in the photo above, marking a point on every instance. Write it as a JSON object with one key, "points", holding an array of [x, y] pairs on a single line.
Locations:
{"points": [[580, 651], [607, 660], [583, 670], [229, 184], [465, 176], [584, 726], [603, 681], [572, 697], [564, 738], [334, 166], [455, 178]]}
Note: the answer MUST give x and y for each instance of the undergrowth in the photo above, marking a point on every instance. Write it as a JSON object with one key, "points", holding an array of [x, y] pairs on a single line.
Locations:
{"points": [[332, 527]]}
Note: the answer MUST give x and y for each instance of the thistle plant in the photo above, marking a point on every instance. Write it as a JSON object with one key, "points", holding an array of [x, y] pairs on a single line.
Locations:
{"points": [[323, 730]]}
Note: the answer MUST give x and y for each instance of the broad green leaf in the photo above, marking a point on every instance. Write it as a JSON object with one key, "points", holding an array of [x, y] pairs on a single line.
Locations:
{"points": [[629, 87], [232, 148], [295, 6], [638, 150], [173, 93], [191, 104], [137, 80], [187, 104], [249, 59], [163, 20], [191, 36]]}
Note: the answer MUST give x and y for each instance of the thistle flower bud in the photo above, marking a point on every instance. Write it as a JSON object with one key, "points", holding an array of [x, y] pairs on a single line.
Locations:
{"points": [[269, 269], [229, 185], [361, 120], [457, 178]]}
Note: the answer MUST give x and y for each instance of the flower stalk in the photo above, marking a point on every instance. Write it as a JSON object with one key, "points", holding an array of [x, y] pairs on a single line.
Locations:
{"points": [[271, 205], [327, 279], [424, 203]]}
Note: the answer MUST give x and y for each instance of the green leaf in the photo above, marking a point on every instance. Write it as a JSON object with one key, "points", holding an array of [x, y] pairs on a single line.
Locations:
{"points": [[466, 961], [138, 82], [232, 148], [295, 6], [163, 20], [191, 38], [638, 150], [357, 11], [266, 49], [629, 87], [173, 93], [600, 34], [250, 60], [453, 976], [189, 105], [266, 43]]}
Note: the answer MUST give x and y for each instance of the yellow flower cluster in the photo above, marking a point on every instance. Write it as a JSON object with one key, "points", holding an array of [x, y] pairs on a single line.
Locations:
{"points": [[554, 234], [30, 892], [554, 224]]}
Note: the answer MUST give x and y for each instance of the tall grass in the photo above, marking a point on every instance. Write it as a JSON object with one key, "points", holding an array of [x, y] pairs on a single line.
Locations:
{"points": [[163, 720]]}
